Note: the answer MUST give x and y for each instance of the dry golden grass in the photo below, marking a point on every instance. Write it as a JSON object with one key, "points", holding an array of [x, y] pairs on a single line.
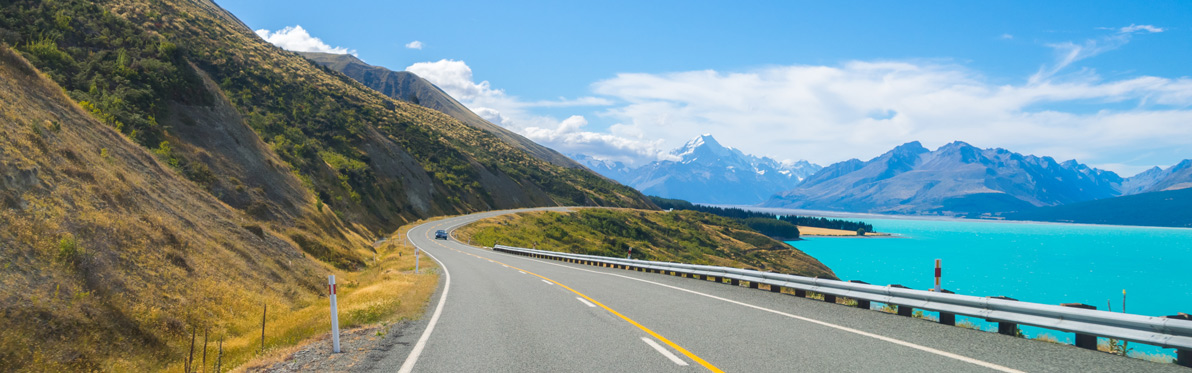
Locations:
{"points": [[109, 259], [389, 292]]}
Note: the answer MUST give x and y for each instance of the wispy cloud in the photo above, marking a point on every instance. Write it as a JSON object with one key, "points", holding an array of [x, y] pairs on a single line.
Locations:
{"points": [[1136, 28], [1068, 53], [414, 45], [568, 135], [295, 38], [1007, 36]]}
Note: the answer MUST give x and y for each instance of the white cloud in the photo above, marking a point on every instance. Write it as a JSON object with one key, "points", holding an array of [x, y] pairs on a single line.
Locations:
{"points": [[414, 45], [857, 109], [827, 113], [1007, 36], [1135, 28], [1069, 52], [494, 105], [295, 38]]}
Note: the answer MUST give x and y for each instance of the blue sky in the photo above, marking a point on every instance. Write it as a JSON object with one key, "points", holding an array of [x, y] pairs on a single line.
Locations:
{"points": [[1103, 82]]}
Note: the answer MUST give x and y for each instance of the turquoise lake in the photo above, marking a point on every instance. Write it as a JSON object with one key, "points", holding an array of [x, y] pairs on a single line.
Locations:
{"points": [[1042, 263]]}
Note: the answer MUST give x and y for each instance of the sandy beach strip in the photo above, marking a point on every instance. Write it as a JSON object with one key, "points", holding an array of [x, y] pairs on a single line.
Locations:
{"points": [[826, 232]]}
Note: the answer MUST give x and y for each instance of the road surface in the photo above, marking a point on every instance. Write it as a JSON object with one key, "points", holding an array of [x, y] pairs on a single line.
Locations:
{"points": [[498, 312]]}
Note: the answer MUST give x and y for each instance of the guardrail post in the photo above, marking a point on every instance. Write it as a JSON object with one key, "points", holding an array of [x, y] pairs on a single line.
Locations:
{"points": [[775, 289], [1085, 341], [1182, 357], [801, 293], [1003, 327], [903, 310], [830, 298], [945, 317], [861, 303], [753, 284], [734, 282]]}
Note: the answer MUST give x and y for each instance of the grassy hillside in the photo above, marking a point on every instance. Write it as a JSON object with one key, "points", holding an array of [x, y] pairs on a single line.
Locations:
{"points": [[677, 236], [156, 70], [109, 257], [1159, 209], [405, 86], [164, 170]]}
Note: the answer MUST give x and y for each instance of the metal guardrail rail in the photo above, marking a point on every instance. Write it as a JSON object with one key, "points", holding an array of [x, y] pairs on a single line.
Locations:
{"points": [[1088, 324]]}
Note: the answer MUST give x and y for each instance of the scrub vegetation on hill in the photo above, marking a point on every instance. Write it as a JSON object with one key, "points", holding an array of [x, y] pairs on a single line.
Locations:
{"points": [[163, 172], [110, 259], [139, 66], [677, 236]]}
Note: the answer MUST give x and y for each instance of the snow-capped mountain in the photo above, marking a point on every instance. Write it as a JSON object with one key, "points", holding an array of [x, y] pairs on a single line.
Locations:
{"points": [[704, 171], [956, 179]]}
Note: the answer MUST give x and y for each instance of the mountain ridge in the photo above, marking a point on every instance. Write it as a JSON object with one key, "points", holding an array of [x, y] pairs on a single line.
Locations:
{"points": [[955, 179], [704, 171], [409, 87]]}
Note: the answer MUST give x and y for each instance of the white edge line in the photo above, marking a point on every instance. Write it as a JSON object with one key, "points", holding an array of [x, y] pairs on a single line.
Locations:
{"points": [[585, 301], [664, 352], [408, 365], [824, 323]]}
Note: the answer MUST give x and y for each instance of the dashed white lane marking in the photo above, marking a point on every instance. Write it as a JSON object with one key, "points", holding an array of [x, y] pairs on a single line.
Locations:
{"points": [[547, 282], [807, 319], [522, 272], [585, 301], [664, 352]]}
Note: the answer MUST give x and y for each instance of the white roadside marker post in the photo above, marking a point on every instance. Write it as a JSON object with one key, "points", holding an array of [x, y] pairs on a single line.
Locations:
{"points": [[334, 314], [415, 259], [937, 275]]}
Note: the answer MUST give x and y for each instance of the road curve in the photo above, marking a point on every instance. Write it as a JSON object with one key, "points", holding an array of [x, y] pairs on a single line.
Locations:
{"points": [[497, 312]]}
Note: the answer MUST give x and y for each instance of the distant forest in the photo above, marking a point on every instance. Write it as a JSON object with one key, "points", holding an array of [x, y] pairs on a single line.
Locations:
{"points": [[757, 217]]}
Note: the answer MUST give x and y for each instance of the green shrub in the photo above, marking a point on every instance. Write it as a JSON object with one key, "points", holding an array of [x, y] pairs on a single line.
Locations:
{"points": [[69, 252]]}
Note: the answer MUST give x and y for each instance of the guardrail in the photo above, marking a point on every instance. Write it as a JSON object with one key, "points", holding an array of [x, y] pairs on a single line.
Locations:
{"points": [[1085, 321]]}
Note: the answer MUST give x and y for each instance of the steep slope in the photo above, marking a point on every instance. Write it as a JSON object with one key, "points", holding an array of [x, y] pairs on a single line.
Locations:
{"points": [[406, 86], [956, 179], [707, 172], [110, 256], [165, 169], [1161, 209], [374, 161]]}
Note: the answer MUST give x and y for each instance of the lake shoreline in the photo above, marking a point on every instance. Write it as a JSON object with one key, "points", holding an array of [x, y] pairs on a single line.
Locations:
{"points": [[870, 215]]}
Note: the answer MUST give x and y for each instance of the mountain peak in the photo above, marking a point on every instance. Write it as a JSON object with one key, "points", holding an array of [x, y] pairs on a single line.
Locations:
{"points": [[953, 145], [703, 144], [910, 149], [701, 141], [913, 146]]}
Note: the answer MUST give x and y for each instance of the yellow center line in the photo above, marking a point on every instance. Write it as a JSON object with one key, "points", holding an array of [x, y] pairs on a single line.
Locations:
{"points": [[668, 342]]}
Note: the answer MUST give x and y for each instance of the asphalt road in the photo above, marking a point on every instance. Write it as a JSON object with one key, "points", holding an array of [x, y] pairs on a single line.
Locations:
{"points": [[498, 312]]}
